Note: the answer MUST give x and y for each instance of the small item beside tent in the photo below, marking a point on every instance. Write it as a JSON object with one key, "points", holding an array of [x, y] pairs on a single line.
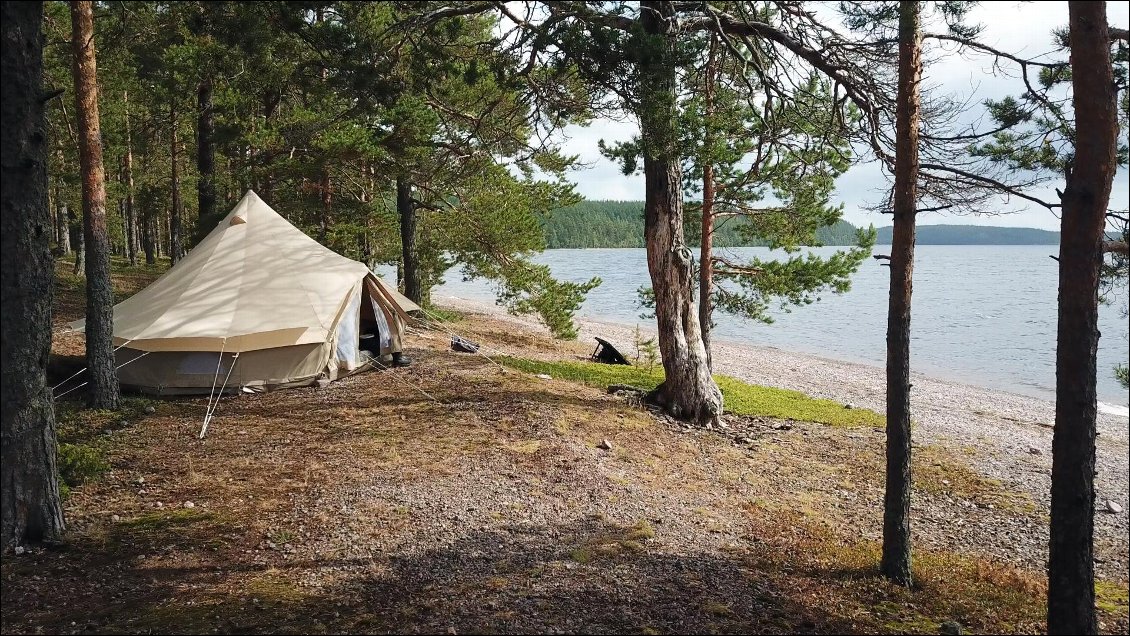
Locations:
{"points": [[259, 305], [463, 346], [605, 353]]}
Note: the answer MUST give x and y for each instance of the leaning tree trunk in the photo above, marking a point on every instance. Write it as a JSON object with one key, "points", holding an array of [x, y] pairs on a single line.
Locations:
{"points": [[205, 158], [99, 293], [176, 238], [688, 390], [706, 258], [409, 256], [29, 487], [896, 509], [1071, 570]]}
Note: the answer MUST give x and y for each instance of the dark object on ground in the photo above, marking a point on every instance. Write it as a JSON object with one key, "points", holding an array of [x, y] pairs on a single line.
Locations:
{"points": [[605, 353], [400, 360], [371, 343], [463, 346]]}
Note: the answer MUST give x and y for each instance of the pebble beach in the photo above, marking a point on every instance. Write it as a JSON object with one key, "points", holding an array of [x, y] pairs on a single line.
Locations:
{"points": [[1009, 436]]}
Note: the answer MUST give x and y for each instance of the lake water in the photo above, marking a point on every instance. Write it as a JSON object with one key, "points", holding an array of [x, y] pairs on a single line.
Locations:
{"points": [[983, 315]]}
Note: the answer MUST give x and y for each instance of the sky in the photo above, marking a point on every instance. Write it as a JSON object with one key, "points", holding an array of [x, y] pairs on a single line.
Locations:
{"points": [[1022, 28]]}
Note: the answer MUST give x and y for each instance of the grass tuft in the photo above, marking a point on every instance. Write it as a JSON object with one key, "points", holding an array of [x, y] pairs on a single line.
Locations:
{"points": [[622, 542], [740, 398], [78, 464], [1113, 598], [939, 472]]}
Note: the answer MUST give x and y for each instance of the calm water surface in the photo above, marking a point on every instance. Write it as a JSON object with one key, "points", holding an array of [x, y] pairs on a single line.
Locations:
{"points": [[983, 315]]}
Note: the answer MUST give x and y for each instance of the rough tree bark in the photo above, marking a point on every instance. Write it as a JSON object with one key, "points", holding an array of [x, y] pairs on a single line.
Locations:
{"points": [[99, 293], [688, 390], [409, 257], [205, 157], [896, 508], [176, 238], [28, 483], [706, 258], [131, 214], [1071, 570]]}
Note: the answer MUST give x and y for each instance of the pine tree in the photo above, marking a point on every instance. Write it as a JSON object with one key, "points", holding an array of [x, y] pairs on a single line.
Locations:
{"points": [[627, 57], [29, 490], [896, 510], [99, 292], [1071, 568]]}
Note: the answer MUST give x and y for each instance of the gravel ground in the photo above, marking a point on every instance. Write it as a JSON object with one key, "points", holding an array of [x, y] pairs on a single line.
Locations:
{"points": [[454, 496], [1011, 434]]}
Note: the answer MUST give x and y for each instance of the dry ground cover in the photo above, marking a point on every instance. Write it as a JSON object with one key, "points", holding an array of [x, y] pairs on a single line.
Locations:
{"points": [[489, 505]]}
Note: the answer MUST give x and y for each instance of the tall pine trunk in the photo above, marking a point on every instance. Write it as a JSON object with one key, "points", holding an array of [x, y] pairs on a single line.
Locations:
{"points": [[131, 212], [99, 293], [176, 238], [205, 158], [29, 487], [123, 249], [1071, 570], [706, 259], [148, 236], [896, 508], [74, 228], [409, 256], [688, 390], [63, 224]]}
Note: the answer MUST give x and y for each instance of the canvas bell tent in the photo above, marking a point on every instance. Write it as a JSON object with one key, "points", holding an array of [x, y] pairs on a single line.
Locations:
{"points": [[256, 305]]}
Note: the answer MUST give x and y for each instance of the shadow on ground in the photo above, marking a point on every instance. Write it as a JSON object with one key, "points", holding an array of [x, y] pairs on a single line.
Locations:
{"points": [[587, 577]]}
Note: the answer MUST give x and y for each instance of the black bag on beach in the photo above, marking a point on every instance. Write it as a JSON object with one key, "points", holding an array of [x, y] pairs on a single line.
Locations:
{"points": [[463, 346]]}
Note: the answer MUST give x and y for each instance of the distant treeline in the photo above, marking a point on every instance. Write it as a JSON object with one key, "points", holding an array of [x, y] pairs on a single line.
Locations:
{"points": [[976, 235], [620, 224]]}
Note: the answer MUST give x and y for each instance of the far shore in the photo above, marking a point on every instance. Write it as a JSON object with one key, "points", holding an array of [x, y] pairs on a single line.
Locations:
{"points": [[1008, 434]]}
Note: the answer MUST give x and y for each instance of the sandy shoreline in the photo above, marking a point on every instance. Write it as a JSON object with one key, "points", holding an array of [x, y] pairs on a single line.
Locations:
{"points": [[1008, 436]]}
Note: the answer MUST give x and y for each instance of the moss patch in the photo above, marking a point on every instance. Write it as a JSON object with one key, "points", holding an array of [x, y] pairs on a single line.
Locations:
{"points": [[76, 424], [614, 545], [941, 472], [740, 398], [982, 596], [1113, 598]]}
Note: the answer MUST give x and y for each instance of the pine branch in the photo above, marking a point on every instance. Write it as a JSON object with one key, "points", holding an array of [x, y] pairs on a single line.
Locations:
{"points": [[1116, 247], [989, 182]]}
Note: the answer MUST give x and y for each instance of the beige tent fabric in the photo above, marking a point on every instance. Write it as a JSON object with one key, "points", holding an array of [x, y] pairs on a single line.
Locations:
{"points": [[255, 286], [396, 298], [255, 282], [171, 372]]}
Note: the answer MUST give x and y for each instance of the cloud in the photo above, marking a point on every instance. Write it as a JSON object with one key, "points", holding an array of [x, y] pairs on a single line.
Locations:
{"points": [[1021, 28]]}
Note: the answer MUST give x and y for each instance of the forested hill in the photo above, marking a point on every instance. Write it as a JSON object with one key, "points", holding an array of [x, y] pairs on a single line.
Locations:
{"points": [[976, 235], [620, 224]]}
